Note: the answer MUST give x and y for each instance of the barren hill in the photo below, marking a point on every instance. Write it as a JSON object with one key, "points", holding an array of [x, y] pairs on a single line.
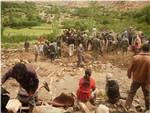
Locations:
{"points": [[122, 5]]}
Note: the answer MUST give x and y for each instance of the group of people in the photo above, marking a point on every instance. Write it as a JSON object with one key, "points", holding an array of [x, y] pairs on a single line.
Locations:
{"points": [[81, 41], [45, 48], [49, 49], [139, 71], [100, 42]]}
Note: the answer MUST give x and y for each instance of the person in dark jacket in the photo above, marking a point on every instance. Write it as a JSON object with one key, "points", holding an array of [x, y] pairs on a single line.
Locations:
{"points": [[52, 51], [26, 76], [26, 45]]}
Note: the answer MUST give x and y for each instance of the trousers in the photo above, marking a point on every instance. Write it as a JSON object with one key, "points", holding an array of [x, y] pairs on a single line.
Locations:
{"points": [[146, 92]]}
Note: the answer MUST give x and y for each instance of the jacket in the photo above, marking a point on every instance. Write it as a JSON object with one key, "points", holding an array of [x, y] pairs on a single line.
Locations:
{"points": [[140, 68]]}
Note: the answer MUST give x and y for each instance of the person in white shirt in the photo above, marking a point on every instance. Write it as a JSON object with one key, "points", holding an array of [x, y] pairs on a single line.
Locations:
{"points": [[36, 51], [41, 49]]}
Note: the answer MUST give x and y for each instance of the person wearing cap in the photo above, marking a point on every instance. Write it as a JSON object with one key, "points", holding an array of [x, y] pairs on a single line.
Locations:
{"points": [[26, 76], [86, 87], [139, 71]]}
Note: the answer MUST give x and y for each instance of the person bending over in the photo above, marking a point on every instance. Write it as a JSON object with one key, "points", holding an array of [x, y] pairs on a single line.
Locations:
{"points": [[26, 76]]}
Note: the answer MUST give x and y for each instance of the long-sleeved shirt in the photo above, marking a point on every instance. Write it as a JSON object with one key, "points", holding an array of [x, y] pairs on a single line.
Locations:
{"points": [[140, 68], [29, 81]]}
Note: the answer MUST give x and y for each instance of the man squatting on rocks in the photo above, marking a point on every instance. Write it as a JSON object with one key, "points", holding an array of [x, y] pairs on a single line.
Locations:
{"points": [[26, 76], [140, 73]]}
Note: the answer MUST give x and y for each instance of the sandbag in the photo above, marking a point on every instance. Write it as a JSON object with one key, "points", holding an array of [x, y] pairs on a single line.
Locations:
{"points": [[13, 105]]}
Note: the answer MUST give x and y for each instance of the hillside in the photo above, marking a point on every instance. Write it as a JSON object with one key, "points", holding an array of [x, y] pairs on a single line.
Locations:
{"points": [[59, 15], [123, 5]]}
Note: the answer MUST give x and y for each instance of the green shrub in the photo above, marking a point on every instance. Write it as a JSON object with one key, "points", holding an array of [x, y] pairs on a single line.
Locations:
{"points": [[143, 15], [81, 24], [68, 24], [21, 14]]}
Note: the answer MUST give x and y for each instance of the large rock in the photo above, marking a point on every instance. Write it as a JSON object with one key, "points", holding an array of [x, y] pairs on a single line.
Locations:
{"points": [[102, 109], [148, 111], [47, 109]]}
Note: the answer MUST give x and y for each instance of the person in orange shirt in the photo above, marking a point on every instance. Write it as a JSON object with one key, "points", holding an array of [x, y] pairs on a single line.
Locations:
{"points": [[139, 71]]}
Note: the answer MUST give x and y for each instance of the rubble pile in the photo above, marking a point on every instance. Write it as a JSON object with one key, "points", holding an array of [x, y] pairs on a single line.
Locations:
{"points": [[64, 70]]}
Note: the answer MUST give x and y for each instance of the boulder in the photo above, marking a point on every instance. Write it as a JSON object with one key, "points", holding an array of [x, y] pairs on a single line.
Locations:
{"points": [[13, 105], [148, 111], [102, 109]]}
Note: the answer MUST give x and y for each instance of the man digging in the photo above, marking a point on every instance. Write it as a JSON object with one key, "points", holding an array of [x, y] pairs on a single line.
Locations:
{"points": [[26, 76]]}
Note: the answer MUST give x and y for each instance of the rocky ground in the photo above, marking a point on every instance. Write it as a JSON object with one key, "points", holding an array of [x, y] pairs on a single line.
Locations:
{"points": [[62, 75]]}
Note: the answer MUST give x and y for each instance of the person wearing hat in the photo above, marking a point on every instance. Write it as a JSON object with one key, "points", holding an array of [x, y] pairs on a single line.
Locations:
{"points": [[86, 87], [139, 71], [26, 76]]}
